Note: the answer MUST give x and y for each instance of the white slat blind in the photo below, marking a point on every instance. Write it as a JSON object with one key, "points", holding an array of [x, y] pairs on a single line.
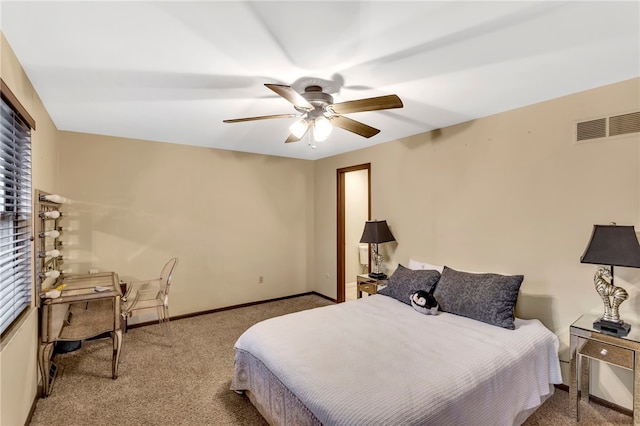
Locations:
{"points": [[15, 215]]}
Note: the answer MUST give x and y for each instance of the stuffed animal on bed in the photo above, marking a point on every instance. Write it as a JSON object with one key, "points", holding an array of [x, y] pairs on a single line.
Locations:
{"points": [[424, 302]]}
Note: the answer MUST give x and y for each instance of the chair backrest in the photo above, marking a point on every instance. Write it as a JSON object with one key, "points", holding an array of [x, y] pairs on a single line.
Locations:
{"points": [[166, 274]]}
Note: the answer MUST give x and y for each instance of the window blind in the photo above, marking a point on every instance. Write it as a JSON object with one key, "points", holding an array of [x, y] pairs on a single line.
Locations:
{"points": [[15, 215]]}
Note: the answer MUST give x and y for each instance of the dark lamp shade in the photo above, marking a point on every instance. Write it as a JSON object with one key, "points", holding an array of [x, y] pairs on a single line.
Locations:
{"points": [[613, 245], [376, 231]]}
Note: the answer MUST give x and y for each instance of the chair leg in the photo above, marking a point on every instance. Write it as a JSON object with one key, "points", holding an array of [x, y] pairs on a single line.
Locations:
{"points": [[166, 324], [163, 320], [160, 314]]}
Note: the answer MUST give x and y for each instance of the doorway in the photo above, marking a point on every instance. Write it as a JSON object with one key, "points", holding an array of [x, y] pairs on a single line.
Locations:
{"points": [[354, 209]]}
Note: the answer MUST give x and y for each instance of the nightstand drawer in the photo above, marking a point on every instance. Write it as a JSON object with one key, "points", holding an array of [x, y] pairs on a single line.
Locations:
{"points": [[370, 288], [608, 353]]}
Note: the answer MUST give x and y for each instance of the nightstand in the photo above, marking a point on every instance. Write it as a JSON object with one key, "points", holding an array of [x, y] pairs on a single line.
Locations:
{"points": [[368, 285], [589, 344]]}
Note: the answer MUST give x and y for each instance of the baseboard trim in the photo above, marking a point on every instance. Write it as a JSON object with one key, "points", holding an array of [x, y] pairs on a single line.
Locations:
{"points": [[227, 308], [596, 400]]}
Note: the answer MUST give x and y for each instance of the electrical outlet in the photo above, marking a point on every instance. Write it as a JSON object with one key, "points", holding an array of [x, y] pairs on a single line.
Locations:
{"points": [[260, 279]]}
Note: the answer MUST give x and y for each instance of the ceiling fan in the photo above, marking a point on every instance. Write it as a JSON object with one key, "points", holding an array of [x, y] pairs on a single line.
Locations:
{"points": [[320, 114]]}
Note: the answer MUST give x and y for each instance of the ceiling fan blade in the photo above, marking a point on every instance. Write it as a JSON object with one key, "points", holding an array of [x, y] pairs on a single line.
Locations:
{"points": [[293, 138], [354, 126], [260, 117], [368, 104], [291, 95]]}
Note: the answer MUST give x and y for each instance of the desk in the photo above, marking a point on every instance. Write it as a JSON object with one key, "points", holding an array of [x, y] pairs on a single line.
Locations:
{"points": [[80, 313], [589, 344]]}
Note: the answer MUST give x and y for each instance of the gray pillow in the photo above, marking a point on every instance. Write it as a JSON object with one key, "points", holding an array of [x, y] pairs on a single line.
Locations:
{"points": [[489, 298], [405, 281]]}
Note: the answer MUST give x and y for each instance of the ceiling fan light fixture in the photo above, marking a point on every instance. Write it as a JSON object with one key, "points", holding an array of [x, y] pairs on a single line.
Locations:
{"points": [[299, 128], [321, 128]]}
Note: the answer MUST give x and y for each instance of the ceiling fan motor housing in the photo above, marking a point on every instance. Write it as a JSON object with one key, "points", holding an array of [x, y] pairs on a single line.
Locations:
{"points": [[316, 97]]}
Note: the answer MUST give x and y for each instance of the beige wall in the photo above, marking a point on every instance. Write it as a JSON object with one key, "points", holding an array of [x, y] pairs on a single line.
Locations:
{"points": [[18, 351], [510, 193], [229, 217]]}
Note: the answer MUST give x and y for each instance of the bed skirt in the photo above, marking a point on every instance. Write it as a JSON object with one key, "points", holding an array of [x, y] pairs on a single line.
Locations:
{"points": [[277, 404]]}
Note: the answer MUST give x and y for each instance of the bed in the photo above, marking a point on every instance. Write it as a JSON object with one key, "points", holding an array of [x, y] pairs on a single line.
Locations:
{"points": [[377, 361]]}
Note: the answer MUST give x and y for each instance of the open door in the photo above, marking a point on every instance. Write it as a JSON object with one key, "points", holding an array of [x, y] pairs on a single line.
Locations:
{"points": [[354, 209]]}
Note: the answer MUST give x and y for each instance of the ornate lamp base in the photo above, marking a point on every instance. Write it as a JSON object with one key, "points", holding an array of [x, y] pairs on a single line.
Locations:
{"points": [[612, 327]]}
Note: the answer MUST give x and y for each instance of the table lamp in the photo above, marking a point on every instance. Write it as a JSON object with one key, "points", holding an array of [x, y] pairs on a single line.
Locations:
{"points": [[376, 232], [611, 245]]}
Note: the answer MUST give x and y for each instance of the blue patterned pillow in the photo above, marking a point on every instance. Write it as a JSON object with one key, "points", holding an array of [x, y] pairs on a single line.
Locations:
{"points": [[404, 281], [489, 298]]}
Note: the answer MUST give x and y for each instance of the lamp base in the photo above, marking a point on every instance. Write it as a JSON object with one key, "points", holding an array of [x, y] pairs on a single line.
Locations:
{"points": [[611, 327], [378, 275]]}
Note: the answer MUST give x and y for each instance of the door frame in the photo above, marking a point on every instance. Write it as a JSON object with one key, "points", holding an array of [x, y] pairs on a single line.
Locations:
{"points": [[340, 231]]}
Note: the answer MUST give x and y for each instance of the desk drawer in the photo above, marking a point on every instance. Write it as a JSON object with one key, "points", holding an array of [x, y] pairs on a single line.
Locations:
{"points": [[608, 353]]}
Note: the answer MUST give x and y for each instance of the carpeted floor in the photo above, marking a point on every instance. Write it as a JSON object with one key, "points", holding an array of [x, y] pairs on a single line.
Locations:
{"points": [[188, 383]]}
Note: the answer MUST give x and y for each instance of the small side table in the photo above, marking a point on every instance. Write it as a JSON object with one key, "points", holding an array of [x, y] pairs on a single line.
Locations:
{"points": [[368, 285], [589, 344]]}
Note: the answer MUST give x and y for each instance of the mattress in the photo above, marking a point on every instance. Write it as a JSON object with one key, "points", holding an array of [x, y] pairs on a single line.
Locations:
{"points": [[376, 361]]}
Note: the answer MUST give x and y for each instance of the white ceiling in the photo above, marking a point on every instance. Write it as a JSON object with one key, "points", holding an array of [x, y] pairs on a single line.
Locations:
{"points": [[172, 71]]}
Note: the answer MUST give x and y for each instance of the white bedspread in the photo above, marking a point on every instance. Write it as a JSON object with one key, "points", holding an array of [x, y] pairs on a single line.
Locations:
{"points": [[376, 361]]}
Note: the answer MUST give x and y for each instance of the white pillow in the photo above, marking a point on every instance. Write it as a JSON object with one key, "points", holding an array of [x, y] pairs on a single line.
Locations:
{"points": [[414, 264]]}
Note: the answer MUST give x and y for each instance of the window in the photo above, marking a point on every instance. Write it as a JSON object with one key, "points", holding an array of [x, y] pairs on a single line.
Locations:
{"points": [[15, 209]]}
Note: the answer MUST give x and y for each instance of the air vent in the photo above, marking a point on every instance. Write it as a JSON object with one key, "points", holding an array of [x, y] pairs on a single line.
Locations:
{"points": [[592, 129], [606, 127], [624, 124]]}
